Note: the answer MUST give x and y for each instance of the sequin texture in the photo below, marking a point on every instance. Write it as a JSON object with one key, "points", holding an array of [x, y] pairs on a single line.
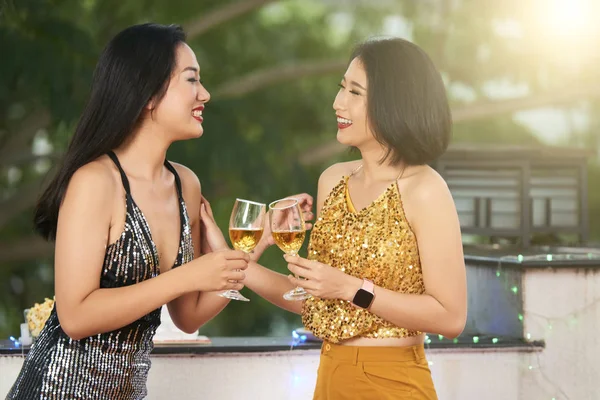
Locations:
{"points": [[112, 365], [376, 243]]}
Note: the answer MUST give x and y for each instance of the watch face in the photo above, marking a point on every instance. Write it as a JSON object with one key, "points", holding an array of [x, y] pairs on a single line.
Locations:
{"points": [[363, 298]]}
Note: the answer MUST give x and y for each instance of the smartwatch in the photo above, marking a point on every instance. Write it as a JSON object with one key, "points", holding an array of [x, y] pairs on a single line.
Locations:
{"points": [[364, 296]]}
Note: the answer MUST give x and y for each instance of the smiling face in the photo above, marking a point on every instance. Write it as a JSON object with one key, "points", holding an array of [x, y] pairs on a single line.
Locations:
{"points": [[180, 112], [350, 106], [393, 100]]}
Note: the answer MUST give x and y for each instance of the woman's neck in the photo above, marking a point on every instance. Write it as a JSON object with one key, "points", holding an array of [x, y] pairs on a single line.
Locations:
{"points": [[374, 171], [144, 154]]}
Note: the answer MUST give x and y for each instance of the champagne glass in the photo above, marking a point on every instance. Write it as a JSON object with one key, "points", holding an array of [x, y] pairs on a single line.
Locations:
{"points": [[288, 230], [246, 227]]}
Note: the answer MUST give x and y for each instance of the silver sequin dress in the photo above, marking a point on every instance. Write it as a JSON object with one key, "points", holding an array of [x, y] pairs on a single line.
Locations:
{"points": [[112, 365]]}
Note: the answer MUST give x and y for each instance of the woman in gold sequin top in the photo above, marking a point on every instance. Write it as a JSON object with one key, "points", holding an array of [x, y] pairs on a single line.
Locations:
{"points": [[385, 260], [126, 225]]}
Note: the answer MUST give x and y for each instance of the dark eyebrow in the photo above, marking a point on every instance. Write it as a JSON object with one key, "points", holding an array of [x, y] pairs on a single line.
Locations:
{"points": [[190, 69], [355, 84]]}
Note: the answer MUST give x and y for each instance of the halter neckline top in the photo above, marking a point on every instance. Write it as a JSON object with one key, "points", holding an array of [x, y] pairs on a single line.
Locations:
{"points": [[111, 365], [376, 243]]}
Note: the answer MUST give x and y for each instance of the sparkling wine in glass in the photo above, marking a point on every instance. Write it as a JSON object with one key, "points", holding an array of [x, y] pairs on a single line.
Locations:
{"points": [[289, 231], [246, 227]]}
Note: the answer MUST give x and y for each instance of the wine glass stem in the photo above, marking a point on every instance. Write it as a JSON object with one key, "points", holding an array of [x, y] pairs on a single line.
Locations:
{"points": [[294, 254], [247, 252]]}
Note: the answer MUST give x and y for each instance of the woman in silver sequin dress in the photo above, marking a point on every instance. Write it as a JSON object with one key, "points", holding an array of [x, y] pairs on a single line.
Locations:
{"points": [[123, 218]]}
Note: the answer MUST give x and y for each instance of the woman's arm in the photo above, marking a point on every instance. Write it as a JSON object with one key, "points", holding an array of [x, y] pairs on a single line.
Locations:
{"points": [[443, 308], [82, 235], [266, 283], [192, 310], [271, 285]]}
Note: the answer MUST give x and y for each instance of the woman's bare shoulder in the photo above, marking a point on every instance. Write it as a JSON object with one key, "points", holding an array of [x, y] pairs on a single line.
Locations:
{"points": [[97, 176], [332, 175], [189, 180], [425, 193]]}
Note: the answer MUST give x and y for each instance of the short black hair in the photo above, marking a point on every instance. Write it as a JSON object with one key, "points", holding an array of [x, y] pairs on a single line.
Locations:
{"points": [[407, 106]]}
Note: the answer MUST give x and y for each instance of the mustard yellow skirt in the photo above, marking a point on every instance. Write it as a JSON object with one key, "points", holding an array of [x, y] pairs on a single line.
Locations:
{"points": [[373, 373]]}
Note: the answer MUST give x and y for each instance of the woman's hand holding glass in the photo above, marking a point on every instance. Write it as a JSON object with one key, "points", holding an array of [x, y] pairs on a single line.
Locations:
{"points": [[288, 230], [287, 227], [217, 271], [322, 280], [246, 227]]}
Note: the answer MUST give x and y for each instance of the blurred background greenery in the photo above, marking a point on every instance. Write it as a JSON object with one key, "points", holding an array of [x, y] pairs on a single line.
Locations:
{"points": [[518, 72]]}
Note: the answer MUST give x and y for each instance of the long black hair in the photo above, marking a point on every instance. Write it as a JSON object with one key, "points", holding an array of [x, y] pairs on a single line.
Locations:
{"points": [[134, 68]]}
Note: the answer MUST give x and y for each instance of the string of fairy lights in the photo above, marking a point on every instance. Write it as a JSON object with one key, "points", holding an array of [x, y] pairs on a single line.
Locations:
{"points": [[571, 318]]}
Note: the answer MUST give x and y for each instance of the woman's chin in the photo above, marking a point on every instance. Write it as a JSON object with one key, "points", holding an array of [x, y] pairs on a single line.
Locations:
{"points": [[345, 139], [196, 133]]}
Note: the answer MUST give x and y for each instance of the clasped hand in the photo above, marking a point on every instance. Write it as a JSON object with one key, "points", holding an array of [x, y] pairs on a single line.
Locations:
{"points": [[322, 280]]}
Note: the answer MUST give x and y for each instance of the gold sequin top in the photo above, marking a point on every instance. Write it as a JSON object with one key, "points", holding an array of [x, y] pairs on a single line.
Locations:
{"points": [[376, 243]]}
